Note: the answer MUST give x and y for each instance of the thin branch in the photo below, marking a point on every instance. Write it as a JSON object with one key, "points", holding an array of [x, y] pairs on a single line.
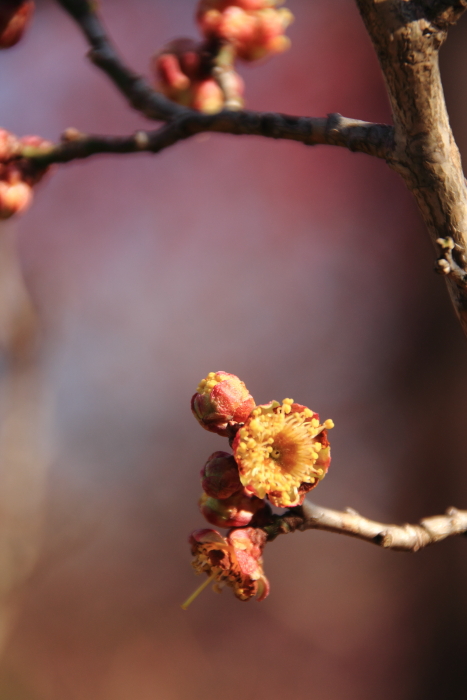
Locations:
{"points": [[136, 90], [333, 130], [402, 538]]}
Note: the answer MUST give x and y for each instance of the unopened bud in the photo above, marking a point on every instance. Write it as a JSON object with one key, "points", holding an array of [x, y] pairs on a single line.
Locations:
{"points": [[15, 16], [8, 145], [14, 198], [255, 29], [442, 267], [221, 399], [219, 476], [236, 511], [207, 97], [71, 134]]}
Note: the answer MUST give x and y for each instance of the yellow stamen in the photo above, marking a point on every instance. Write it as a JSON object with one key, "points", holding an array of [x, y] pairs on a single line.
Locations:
{"points": [[199, 590]]}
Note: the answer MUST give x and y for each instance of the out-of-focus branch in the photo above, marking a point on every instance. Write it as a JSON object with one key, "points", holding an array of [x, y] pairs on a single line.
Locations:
{"points": [[402, 538], [24, 435], [136, 90], [333, 130]]}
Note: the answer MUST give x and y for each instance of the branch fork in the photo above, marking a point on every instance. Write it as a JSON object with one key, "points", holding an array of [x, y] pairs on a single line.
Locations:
{"points": [[407, 36]]}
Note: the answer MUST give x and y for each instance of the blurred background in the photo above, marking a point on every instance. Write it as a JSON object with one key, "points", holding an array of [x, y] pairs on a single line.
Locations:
{"points": [[307, 272]]}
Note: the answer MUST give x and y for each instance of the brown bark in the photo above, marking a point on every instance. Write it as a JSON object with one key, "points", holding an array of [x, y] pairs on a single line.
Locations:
{"points": [[407, 37], [401, 538]]}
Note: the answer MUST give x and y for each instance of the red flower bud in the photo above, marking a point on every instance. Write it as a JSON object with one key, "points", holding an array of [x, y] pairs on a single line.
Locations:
{"points": [[220, 478], [255, 29], [206, 96], [9, 145], [18, 174], [183, 74], [14, 198], [221, 399], [236, 511], [15, 16]]}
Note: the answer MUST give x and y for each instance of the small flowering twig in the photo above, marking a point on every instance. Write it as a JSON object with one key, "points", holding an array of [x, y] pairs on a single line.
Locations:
{"points": [[420, 147], [402, 538], [334, 130]]}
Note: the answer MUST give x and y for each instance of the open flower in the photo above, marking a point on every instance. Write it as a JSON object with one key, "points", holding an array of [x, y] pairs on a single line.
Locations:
{"points": [[282, 452], [234, 560], [221, 399]]}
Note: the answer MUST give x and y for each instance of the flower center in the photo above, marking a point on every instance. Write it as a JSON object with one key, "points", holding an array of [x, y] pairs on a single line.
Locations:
{"points": [[292, 447]]}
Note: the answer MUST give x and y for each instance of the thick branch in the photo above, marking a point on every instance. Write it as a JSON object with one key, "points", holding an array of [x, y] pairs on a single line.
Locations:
{"points": [[403, 538], [442, 12], [407, 35]]}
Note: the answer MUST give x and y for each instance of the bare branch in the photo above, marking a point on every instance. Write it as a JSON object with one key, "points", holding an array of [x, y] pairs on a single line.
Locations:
{"points": [[333, 130], [136, 90], [402, 538], [425, 153]]}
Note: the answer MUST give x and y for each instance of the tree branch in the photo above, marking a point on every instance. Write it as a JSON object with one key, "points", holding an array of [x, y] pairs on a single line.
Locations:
{"points": [[407, 36], [442, 12], [335, 130], [134, 88], [402, 538]]}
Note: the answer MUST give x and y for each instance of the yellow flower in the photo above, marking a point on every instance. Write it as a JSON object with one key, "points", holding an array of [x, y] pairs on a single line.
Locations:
{"points": [[282, 452]]}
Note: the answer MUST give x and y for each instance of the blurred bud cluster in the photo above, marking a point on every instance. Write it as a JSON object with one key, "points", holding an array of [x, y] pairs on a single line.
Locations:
{"points": [[18, 175], [202, 75], [15, 16], [280, 452]]}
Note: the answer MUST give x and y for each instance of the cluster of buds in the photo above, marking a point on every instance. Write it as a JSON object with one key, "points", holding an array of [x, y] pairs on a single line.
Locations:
{"points": [[186, 74], [280, 452], [17, 174], [15, 16], [202, 76], [255, 28]]}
